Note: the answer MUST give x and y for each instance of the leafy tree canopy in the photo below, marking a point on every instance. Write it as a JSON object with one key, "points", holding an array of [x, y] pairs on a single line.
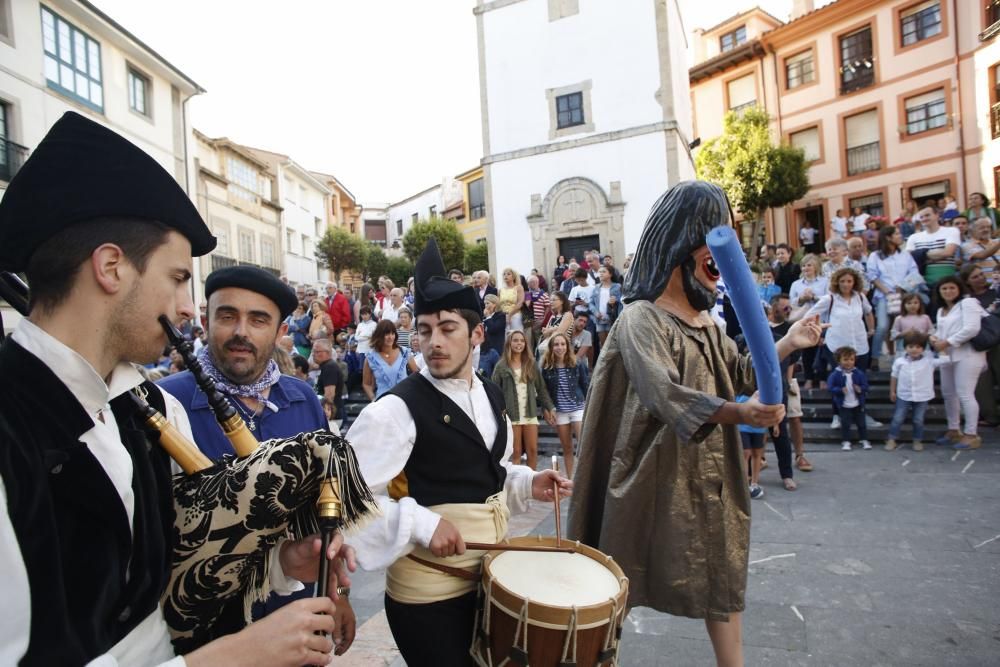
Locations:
{"points": [[477, 257], [399, 270], [339, 250], [376, 263], [756, 173], [449, 240]]}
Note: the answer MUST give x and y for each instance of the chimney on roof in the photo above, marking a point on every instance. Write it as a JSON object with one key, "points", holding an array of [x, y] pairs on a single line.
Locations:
{"points": [[698, 41], [801, 8]]}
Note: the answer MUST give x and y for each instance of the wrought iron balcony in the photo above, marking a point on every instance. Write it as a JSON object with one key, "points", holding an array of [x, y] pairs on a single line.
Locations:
{"points": [[857, 75], [995, 120], [863, 158], [222, 262], [740, 108], [12, 156], [992, 21]]}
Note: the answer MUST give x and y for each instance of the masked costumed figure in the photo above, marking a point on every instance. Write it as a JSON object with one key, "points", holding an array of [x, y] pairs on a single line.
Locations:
{"points": [[661, 485]]}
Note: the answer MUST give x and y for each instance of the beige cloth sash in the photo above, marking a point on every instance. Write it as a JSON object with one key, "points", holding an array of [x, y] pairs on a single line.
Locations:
{"points": [[410, 582]]}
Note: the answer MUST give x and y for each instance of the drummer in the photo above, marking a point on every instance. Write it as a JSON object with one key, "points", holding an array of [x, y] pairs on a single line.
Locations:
{"points": [[435, 450]]}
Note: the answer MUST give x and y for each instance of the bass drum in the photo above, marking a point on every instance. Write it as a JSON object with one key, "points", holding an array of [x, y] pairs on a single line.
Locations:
{"points": [[548, 609]]}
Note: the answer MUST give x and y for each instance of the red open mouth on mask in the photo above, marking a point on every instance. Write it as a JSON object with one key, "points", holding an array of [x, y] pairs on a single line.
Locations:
{"points": [[710, 268]]}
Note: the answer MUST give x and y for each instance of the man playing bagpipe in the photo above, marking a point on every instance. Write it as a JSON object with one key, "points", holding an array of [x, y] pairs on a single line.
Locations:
{"points": [[88, 538]]}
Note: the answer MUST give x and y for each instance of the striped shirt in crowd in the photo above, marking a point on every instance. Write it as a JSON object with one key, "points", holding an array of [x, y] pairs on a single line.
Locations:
{"points": [[403, 337], [539, 302], [566, 393]]}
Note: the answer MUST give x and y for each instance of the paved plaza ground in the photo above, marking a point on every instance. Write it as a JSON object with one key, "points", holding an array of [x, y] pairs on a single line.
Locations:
{"points": [[879, 558]]}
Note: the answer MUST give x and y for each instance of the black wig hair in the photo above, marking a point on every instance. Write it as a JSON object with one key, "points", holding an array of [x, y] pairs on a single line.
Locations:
{"points": [[676, 227]]}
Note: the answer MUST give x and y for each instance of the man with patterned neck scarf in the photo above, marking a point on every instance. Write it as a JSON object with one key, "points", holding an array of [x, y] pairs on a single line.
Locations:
{"points": [[247, 308]]}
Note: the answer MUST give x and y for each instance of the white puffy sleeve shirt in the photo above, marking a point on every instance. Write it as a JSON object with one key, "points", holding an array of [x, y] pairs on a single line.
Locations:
{"points": [[383, 437]]}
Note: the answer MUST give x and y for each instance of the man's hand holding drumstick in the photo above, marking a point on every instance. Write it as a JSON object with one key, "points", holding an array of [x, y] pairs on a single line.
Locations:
{"points": [[447, 540], [544, 483]]}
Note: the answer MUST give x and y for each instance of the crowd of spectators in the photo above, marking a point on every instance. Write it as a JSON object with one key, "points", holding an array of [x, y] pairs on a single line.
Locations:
{"points": [[907, 296], [926, 279]]}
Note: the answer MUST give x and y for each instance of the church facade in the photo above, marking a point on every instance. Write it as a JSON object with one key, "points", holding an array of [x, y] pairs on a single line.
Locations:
{"points": [[586, 121]]}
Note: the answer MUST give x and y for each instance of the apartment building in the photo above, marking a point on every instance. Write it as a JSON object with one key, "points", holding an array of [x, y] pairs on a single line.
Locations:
{"points": [[67, 55], [233, 192], [891, 100]]}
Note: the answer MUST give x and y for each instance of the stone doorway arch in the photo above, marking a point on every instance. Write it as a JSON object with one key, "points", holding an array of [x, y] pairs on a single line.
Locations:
{"points": [[576, 207]]}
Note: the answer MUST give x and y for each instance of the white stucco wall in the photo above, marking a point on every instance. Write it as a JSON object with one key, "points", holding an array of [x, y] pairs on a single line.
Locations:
{"points": [[303, 204], [639, 163], [35, 107], [612, 44], [404, 210]]}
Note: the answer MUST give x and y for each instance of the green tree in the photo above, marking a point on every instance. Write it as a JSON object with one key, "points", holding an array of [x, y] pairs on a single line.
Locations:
{"points": [[449, 240], [756, 173], [339, 250], [477, 257], [399, 270], [376, 263]]}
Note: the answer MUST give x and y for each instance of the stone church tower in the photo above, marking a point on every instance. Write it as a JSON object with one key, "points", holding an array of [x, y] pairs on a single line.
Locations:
{"points": [[586, 121]]}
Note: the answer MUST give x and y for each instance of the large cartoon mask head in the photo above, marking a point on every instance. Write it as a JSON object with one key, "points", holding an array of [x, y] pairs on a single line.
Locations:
{"points": [[674, 236]]}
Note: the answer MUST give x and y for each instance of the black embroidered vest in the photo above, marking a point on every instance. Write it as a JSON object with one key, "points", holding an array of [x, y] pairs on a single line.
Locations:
{"points": [[70, 523], [450, 462]]}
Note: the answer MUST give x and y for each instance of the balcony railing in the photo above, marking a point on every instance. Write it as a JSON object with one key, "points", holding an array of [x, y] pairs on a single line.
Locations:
{"points": [[740, 108], [863, 158], [857, 75], [12, 156], [992, 21], [222, 262], [476, 212], [995, 120]]}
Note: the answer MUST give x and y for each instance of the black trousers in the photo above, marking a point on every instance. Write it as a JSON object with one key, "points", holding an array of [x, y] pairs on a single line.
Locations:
{"points": [[438, 634]]}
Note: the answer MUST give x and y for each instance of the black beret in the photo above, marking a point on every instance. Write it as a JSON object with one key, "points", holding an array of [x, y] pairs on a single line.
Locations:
{"points": [[81, 171], [256, 280], [434, 291]]}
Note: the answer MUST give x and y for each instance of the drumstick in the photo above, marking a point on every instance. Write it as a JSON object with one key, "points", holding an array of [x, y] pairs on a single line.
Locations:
{"points": [[485, 546], [555, 499]]}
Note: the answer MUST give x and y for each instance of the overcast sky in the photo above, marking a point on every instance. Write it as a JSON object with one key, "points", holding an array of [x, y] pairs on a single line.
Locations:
{"points": [[384, 94]]}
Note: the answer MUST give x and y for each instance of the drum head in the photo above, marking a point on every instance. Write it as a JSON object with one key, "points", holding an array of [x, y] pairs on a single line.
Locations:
{"points": [[555, 579]]}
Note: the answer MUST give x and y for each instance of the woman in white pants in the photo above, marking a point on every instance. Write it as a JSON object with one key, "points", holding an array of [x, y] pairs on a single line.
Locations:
{"points": [[958, 321]]}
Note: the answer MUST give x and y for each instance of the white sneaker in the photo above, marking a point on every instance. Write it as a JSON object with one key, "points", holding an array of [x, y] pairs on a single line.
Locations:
{"points": [[871, 421], [836, 422], [846, 446], [865, 444]]}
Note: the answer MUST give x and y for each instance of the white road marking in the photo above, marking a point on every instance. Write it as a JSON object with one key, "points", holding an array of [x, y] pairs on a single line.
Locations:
{"points": [[764, 560], [906, 462], [992, 539], [795, 609], [768, 506], [968, 465], [956, 455]]}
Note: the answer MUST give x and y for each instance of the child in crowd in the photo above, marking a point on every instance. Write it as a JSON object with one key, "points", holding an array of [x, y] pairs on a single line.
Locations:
{"points": [[767, 289], [567, 381], [753, 451], [366, 327], [911, 387], [849, 385], [330, 410], [950, 204], [913, 319]]}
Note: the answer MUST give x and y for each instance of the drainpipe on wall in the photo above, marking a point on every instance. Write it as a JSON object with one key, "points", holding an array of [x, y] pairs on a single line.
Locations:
{"points": [[958, 102], [196, 263]]}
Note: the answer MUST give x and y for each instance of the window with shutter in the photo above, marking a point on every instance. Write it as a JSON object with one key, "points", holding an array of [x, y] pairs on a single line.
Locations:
{"points": [[742, 93], [808, 141], [862, 136]]}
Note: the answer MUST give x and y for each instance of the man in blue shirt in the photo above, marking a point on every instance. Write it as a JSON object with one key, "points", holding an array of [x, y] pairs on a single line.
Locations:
{"points": [[247, 307]]}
